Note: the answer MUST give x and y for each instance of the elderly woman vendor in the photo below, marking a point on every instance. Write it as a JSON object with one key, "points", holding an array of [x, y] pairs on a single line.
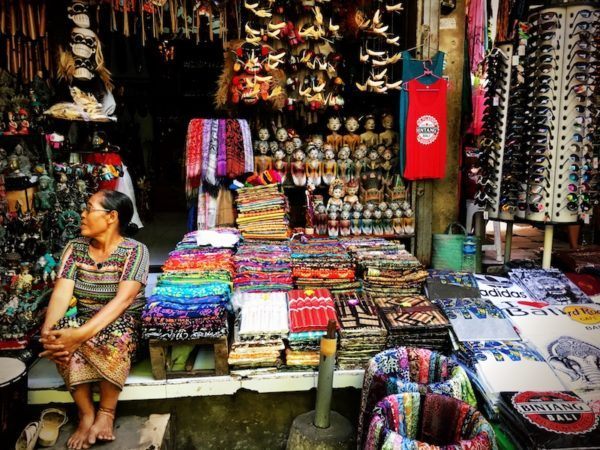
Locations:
{"points": [[106, 273]]}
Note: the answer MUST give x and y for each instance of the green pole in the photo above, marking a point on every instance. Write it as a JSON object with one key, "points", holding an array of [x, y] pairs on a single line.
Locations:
{"points": [[325, 381]]}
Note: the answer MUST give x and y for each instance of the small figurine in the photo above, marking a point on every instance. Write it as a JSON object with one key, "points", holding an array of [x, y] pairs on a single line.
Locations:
{"points": [[24, 162], [298, 169], [263, 161], [263, 136], [329, 166], [321, 220], [313, 166], [24, 280], [333, 225], [409, 221], [281, 135], [369, 137], [336, 192], [280, 165], [45, 198], [355, 223], [3, 160], [345, 223], [378, 223], [345, 164], [360, 160], [397, 191], [334, 138], [289, 147], [398, 222], [351, 191], [388, 228], [317, 141], [371, 180], [389, 137], [367, 223], [352, 139]]}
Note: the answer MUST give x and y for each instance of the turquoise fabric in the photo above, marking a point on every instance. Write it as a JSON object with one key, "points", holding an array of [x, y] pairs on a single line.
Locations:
{"points": [[412, 68]]}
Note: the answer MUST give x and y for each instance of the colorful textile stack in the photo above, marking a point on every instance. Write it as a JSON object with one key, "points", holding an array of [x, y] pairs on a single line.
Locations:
{"points": [[362, 335], [263, 323], [415, 322], [263, 268], [388, 270], [323, 263], [262, 213], [309, 314], [192, 295]]}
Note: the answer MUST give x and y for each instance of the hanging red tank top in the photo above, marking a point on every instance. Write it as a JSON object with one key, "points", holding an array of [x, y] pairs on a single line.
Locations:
{"points": [[426, 130]]}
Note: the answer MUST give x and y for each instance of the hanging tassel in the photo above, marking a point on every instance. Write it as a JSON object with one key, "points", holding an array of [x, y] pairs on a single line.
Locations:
{"points": [[113, 20], [142, 14], [125, 19], [173, 12], [185, 22], [160, 20]]}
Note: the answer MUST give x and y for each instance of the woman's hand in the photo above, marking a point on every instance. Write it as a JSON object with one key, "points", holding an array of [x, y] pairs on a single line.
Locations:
{"points": [[59, 345], [69, 338]]}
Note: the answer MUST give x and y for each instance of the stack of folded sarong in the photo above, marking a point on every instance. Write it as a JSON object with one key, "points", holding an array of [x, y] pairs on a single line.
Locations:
{"points": [[263, 268], [309, 313], [260, 329], [362, 334], [262, 213], [388, 269], [414, 321], [191, 298], [323, 263]]}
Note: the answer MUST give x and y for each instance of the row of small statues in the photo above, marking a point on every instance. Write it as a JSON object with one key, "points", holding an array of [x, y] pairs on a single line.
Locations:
{"points": [[17, 164], [370, 220]]}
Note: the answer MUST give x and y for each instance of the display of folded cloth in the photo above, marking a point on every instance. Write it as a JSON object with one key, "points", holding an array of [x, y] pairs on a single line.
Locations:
{"points": [[263, 314], [310, 310], [321, 263], [362, 335], [263, 268], [414, 321], [262, 213], [386, 268], [302, 359], [251, 353], [192, 297], [447, 284]]}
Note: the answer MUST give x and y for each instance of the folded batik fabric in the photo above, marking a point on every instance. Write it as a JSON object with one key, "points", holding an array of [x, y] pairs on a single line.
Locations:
{"points": [[262, 212], [310, 310]]}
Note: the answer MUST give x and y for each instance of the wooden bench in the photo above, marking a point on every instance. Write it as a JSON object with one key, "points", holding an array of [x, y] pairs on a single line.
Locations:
{"points": [[160, 357]]}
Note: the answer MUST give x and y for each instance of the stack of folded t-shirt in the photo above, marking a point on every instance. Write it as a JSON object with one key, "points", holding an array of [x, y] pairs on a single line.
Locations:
{"points": [[263, 267], [414, 321], [309, 313], [323, 263], [262, 213], [260, 329], [498, 366], [362, 335], [191, 298], [549, 420]]}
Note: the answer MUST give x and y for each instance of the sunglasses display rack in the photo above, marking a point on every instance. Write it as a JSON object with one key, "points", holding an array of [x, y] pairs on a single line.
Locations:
{"points": [[492, 169], [563, 60], [539, 146]]}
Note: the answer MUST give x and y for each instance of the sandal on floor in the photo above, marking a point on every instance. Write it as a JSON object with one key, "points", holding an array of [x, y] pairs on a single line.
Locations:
{"points": [[28, 437], [51, 421]]}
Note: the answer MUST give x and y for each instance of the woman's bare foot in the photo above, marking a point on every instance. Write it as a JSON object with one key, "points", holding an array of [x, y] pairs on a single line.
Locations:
{"points": [[102, 429], [79, 439]]}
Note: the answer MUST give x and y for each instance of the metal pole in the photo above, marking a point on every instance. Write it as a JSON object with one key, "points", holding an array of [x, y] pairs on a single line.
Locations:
{"points": [[325, 382], [548, 238], [508, 242]]}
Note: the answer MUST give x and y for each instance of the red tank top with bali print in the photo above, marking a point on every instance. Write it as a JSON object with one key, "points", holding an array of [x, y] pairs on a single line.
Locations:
{"points": [[426, 139]]}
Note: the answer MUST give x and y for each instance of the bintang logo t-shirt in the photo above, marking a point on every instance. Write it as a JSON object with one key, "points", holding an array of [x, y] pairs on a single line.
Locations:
{"points": [[426, 130]]}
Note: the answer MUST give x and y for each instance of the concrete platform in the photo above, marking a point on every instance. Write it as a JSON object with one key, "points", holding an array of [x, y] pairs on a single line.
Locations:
{"points": [[132, 433]]}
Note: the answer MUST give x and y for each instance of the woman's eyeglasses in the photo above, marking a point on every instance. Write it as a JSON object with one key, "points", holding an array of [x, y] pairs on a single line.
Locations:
{"points": [[88, 209]]}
